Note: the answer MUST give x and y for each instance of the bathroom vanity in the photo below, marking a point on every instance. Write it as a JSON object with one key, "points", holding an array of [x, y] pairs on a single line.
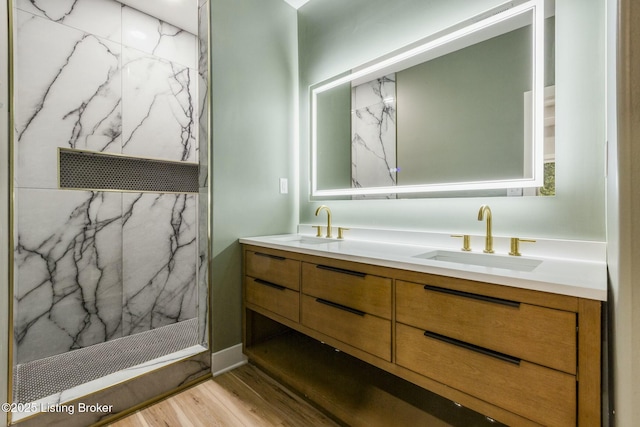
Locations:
{"points": [[519, 344]]}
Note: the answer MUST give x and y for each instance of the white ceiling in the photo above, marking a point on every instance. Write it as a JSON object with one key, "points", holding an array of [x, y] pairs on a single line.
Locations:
{"points": [[296, 3], [181, 13]]}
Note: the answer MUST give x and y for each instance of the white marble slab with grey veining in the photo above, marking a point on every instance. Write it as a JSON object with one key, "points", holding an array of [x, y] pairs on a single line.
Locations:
{"points": [[373, 139], [155, 37], [159, 260], [99, 17], [68, 86], [101, 265], [68, 291], [161, 112], [92, 266]]}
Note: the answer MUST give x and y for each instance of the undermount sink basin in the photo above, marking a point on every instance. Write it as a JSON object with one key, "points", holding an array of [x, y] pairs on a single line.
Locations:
{"points": [[484, 260], [307, 240]]}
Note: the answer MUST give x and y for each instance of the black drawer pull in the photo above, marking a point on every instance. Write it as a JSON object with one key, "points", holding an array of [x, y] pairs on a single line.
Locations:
{"points": [[477, 349], [340, 306], [484, 298], [341, 270], [279, 258], [271, 285]]}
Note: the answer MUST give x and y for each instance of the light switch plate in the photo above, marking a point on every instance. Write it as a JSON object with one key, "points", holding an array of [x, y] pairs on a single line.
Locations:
{"points": [[284, 186]]}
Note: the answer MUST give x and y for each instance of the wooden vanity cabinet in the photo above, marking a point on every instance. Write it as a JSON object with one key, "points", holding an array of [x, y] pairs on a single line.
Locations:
{"points": [[541, 335], [272, 282], [540, 394], [519, 356], [348, 304]]}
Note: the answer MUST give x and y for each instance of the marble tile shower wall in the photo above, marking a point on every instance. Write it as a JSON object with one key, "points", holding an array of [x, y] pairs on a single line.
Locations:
{"points": [[373, 139], [93, 266]]}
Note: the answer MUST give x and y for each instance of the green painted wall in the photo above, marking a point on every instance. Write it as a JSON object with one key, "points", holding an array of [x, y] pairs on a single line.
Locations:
{"points": [[461, 116], [254, 90], [335, 35], [334, 137]]}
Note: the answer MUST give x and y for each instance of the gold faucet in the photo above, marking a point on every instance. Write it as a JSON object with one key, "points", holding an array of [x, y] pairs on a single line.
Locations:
{"points": [[515, 245], [488, 243], [466, 241], [326, 208]]}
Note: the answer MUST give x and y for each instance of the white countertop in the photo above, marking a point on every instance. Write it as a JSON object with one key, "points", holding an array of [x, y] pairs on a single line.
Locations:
{"points": [[572, 268]]}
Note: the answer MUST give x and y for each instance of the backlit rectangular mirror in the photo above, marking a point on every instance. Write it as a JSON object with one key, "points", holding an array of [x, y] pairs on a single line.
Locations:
{"points": [[463, 110]]}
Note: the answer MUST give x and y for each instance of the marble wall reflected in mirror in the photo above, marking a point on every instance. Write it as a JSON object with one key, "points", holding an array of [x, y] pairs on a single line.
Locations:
{"points": [[460, 111]]}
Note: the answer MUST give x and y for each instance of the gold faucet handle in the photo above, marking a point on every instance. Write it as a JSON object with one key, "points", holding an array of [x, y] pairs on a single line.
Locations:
{"points": [[515, 245], [341, 231], [466, 241], [319, 228]]}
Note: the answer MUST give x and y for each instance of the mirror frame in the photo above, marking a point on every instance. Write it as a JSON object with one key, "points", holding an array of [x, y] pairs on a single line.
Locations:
{"points": [[434, 44]]}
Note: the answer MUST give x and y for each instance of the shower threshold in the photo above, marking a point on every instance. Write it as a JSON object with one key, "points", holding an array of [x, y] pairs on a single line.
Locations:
{"points": [[65, 377]]}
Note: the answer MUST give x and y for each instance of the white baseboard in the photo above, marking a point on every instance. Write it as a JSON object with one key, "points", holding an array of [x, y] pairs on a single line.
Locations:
{"points": [[227, 359]]}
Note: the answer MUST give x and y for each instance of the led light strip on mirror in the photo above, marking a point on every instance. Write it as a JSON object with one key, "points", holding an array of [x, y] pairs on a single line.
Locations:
{"points": [[509, 16]]}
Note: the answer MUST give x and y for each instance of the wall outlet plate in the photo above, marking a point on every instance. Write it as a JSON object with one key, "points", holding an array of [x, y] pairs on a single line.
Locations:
{"points": [[514, 192]]}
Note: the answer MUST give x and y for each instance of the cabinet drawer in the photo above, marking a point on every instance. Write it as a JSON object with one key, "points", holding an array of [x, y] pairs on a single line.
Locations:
{"points": [[364, 331], [276, 269], [541, 335], [543, 395], [364, 292], [275, 298]]}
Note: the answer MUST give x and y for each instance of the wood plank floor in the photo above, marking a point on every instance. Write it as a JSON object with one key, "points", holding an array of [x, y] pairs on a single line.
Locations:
{"points": [[243, 397]]}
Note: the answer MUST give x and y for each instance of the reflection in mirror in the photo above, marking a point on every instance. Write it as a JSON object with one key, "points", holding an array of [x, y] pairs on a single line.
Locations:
{"points": [[460, 111]]}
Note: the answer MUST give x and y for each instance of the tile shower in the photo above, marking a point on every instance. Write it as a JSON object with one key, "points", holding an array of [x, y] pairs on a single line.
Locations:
{"points": [[97, 267]]}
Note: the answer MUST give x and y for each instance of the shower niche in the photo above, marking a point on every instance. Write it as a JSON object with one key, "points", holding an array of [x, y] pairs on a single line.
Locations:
{"points": [[111, 196]]}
